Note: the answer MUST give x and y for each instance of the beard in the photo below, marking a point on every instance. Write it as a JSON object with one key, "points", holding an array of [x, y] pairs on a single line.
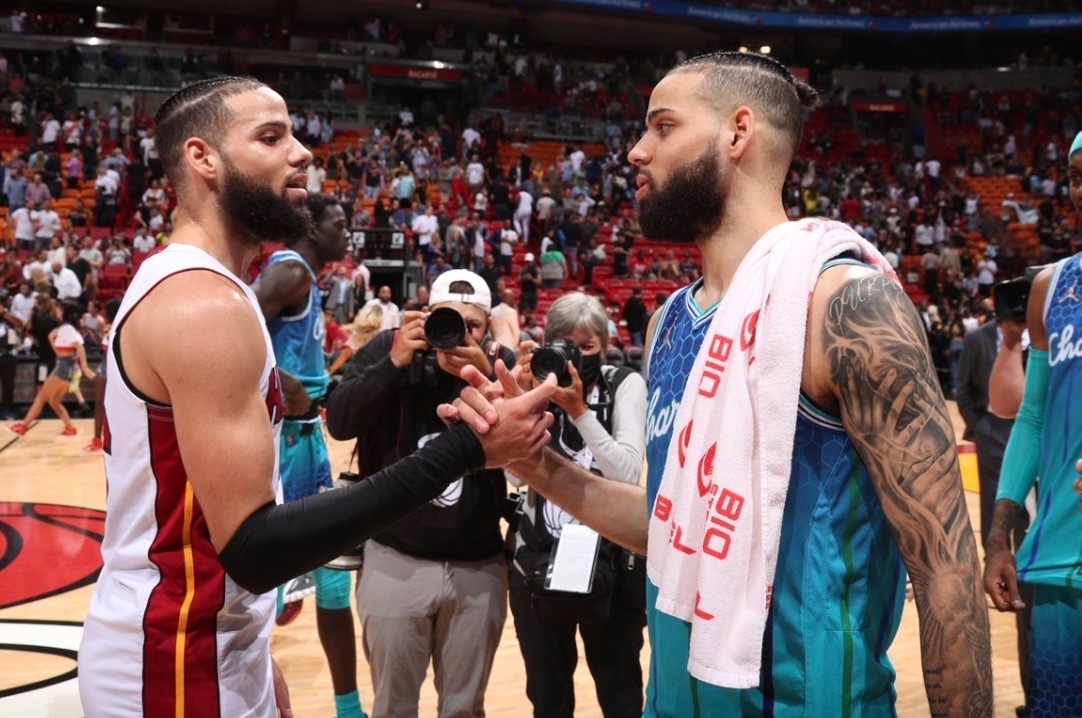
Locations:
{"points": [[256, 214], [690, 206]]}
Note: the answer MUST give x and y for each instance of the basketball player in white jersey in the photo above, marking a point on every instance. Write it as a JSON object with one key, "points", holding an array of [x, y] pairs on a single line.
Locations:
{"points": [[194, 541]]}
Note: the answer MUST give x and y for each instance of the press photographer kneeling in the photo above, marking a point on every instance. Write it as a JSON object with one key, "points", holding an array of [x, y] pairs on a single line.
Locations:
{"points": [[600, 415], [433, 583]]}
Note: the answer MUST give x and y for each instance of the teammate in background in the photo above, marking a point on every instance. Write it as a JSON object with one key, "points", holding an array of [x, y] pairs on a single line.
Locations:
{"points": [[179, 623], [1046, 442], [288, 294], [111, 308], [871, 478], [67, 342]]}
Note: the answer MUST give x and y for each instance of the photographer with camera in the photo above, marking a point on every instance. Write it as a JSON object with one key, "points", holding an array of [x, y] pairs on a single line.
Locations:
{"points": [[600, 425], [433, 583]]}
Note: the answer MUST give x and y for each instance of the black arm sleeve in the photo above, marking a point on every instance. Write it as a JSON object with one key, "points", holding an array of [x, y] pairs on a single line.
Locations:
{"points": [[279, 542]]}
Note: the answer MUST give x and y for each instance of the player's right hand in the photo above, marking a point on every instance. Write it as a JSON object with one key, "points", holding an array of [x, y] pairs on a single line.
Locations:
{"points": [[409, 340], [1001, 581]]}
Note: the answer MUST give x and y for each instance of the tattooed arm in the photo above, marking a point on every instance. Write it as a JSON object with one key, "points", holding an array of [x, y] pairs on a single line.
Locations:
{"points": [[873, 357]]}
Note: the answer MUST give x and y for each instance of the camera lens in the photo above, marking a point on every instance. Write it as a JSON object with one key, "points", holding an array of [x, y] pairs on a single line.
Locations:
{"points": [[445, 328], [550, 360]]}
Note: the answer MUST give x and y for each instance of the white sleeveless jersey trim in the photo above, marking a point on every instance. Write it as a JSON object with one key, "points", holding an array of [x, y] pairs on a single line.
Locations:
{"points": [[168, 632]]}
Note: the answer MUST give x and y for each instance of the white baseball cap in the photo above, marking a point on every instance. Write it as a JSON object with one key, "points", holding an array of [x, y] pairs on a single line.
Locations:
{"points": [[441, 289]]}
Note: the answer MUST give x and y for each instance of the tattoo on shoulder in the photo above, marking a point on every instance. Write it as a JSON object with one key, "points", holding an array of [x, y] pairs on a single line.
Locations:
{"points": [[895, 414]]}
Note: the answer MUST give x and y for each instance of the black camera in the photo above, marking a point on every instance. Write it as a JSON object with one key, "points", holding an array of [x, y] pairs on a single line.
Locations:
{"points": [[1011, 300], [554, 358], [445, 328]]}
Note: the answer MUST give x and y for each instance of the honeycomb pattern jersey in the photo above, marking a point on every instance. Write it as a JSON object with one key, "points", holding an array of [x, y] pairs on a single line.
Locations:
{"points": [[1052, 551], [1055, 683], [839, 587], [1051, 555]]}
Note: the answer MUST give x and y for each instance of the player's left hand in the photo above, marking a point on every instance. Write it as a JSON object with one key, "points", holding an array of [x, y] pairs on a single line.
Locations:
{"points": [[1078, 481], [453, 361]]}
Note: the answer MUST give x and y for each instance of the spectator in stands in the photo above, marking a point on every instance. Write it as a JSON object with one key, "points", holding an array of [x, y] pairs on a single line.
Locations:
{"points": [[392, 317], [37, 192], [476, 175], [118, 254], [57, 251], [15, 187], [24, 225], [11, 271], [404, 185], [50, 131], [634, 316], [523, 215], [82, 269], [490, 272], [986, 274], [91, 253], [73, 169], [47, 224], [106, 186], [22, 303], [507, 240], [529, 279], [361, 217], [143, 242], [68, 288], [317, 175], [340, 296], [425, 227], [93, 323], [18, 115], [372, 177], [553, 269]]}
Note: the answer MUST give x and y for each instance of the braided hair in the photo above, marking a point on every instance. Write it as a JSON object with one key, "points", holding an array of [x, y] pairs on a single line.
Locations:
{"points": [[197, 110], [732, 79]]}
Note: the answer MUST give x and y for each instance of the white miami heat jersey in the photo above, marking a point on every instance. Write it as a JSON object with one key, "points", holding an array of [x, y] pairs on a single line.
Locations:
{"points": [[168, 633]]}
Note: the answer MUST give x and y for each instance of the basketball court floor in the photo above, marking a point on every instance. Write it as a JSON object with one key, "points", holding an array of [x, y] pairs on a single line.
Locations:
{"points": [[52, 501]]}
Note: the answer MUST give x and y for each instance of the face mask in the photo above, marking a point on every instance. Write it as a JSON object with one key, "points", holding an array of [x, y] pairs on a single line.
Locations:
{"points": [[590, 370]]}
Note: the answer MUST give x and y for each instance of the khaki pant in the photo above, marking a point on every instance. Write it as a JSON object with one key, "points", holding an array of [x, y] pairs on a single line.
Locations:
{"points": [[414, 610]]}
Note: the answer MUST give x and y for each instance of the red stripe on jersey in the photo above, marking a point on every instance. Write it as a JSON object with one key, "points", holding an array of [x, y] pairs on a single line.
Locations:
{"points": [[178, 610]]}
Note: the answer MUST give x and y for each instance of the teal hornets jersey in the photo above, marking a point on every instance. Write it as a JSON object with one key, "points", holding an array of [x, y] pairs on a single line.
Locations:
{"points": [[298, 340], [1052, 550], [839, 587]]}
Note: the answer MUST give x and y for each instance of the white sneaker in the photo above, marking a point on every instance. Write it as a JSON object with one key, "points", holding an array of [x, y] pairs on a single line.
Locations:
{"points": [[298, 588]]}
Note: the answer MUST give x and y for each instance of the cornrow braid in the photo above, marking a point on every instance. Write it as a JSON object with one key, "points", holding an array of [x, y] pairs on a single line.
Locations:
{"points": [[196, 110], [735, 78]]}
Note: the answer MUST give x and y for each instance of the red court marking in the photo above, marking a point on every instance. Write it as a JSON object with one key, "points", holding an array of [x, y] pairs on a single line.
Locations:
{"points": [[46, 549]]}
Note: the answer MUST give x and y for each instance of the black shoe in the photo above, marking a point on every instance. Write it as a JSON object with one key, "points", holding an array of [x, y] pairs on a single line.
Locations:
{"points": [[1021, 712]]}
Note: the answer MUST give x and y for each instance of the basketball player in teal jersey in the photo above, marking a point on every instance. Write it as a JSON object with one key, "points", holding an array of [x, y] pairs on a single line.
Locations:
{"points": [[289, 296], [874, 477], [1046, 442]]}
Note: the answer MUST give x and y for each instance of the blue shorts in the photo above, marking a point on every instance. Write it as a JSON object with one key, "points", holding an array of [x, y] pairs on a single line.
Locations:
{"points": [[1055, 683], [65, 367], [303, 464]]}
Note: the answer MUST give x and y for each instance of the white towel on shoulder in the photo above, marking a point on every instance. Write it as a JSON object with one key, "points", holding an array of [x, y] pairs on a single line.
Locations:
{"points": [[715, 525]]}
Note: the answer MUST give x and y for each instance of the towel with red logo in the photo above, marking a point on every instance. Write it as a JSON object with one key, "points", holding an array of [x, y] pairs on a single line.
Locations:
{"points": [[715, 527]]}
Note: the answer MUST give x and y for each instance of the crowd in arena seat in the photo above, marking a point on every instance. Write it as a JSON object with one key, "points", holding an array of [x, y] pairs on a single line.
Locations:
{"points": [[973, 192]]}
